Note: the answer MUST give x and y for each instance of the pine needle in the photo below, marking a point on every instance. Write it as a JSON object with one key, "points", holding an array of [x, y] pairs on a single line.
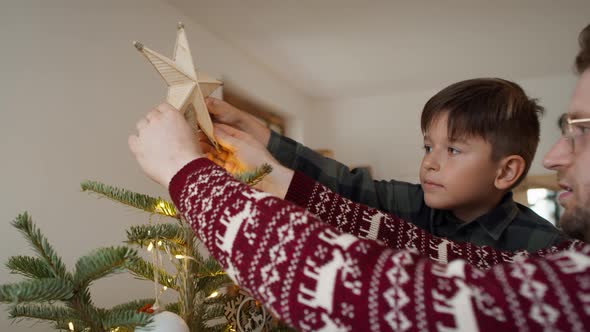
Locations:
{"points": [[31, 267], [133, 199], [102, 262], [254, 177], [143, 234], [145, 270], [41, 311], [133, 305], [25, 225], [125, 318], [40, 290]]}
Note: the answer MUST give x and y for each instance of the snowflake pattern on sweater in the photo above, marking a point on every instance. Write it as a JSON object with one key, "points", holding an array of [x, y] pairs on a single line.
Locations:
{"points": [[318, 278], [370, 223]]}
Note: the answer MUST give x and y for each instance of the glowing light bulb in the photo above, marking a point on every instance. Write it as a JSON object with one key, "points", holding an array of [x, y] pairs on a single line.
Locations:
{"points": [[160, 242], [71, 326], [214, 294], [150, 247], [164, 288], [179, 256]]}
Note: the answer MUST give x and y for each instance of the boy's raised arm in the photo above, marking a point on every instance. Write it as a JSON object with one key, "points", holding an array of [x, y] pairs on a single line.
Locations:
{"points": [[399, 198], [394, 232]]}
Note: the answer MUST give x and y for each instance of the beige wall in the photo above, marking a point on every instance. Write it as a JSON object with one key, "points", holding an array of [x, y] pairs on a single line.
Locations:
{"points": [[384, 131], [71, 89]]}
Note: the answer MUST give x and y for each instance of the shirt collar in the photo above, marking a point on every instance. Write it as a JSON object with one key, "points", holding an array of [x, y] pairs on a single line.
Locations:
{"points": [[494, 223], [497, 220]]}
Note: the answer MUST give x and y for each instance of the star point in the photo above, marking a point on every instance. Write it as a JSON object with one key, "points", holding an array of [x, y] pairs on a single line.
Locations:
{"points": [[186, 90]]}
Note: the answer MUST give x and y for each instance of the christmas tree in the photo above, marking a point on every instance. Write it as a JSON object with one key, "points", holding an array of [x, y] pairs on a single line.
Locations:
{"points": [[196, 279], [53, 294], [207, 299]]}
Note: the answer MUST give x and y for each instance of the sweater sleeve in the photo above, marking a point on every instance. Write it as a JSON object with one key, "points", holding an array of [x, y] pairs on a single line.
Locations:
{"points": [[394, 232], [316, 278]]}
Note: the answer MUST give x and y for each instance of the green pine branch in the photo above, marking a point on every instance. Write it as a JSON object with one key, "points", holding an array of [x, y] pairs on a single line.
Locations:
{"points": [[42, 311], [145, 270], [50, 282], [211, 283], [87, 312], [102, 262], [24, 224], [214, 311], [133, 199], [39, 290], [222, 298], [144, 234], [173, 307], [133, 305], [31, 267], [125, 318], [252, 178], [210, 264]]}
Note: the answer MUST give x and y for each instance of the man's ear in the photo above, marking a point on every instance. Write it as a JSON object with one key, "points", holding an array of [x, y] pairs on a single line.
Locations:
{"points": [[509, 171]]}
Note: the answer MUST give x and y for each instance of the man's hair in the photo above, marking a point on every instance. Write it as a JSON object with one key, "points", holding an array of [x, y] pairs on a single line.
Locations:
{"points": [[494, 109], [583, 58]]}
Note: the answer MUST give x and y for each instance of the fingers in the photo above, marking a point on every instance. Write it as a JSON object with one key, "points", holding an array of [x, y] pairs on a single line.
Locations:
{"points": [[141, 124], [207, 148], [226, 141], [228, 130], [165, 107], [153, 115], [220, 108], [132, 142], [204, 143], [214, 105]]}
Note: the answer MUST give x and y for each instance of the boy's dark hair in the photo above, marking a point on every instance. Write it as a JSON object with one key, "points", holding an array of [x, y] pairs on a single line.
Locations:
{"points": [[494, 109], [583, 58]]}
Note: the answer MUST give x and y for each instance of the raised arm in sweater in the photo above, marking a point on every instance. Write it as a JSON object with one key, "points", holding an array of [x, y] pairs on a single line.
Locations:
{"points": [[369, 223], [317, 278]]}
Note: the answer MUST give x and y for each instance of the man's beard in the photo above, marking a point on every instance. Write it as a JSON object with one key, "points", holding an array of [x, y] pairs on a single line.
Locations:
{"points": [[576, 223]]}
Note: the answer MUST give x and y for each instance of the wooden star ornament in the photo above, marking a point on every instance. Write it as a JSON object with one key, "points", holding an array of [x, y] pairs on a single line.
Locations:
{"points": [[186, 90]]}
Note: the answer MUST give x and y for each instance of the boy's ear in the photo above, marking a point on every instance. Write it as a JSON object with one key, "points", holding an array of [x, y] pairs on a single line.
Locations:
{"points": [[509, 171]]}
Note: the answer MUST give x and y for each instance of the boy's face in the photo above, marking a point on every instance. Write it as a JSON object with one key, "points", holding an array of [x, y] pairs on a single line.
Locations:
{"points": [[457, 175], [573, 165]]}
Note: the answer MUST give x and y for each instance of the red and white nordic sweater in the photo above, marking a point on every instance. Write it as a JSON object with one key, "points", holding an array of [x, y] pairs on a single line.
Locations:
{"points": [[312, 272]]}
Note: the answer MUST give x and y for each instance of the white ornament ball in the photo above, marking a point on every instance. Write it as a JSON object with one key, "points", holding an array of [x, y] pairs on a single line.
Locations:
{"points": [[165, 321]]}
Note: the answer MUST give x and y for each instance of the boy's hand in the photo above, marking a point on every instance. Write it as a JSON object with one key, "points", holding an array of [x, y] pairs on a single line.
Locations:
{"points": [[164, 143], [241, 152], [225, 113]]}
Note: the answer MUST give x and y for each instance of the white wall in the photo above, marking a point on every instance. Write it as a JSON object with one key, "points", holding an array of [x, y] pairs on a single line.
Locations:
{"points": [[384, 131], [72, 88]]}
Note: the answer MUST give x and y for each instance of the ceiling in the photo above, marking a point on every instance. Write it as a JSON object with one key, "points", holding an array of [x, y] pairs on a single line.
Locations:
{"points": [[336, 48]]}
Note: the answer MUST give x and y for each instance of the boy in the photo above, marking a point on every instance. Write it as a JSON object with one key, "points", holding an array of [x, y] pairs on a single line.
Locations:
{"points": [[480, 137]]}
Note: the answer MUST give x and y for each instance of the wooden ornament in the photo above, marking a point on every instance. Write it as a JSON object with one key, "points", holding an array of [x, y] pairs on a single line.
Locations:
{"points": [[186, 90]]}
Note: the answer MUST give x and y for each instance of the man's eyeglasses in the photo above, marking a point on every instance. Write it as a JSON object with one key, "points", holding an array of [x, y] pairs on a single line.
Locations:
{"points": [[573, 129]]}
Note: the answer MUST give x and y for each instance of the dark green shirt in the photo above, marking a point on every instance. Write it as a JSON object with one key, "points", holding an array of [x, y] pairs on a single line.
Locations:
{"points": [[509, 226]]}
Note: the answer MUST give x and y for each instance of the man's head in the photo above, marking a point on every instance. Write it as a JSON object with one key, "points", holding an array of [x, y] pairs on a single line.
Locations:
{"points": [[570, 156], [480, 139]]}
